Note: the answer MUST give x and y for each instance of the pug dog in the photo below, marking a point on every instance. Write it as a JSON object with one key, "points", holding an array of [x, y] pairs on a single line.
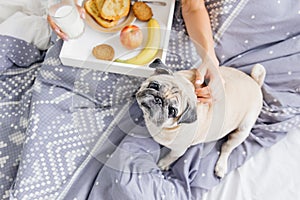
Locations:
{"points": [[176, 120]]}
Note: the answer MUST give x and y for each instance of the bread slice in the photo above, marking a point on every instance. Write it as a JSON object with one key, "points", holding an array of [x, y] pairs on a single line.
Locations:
{"points": [[91, 8], [99, 4], [115, 9]]}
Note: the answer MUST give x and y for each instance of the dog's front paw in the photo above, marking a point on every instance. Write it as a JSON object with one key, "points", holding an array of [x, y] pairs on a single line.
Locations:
{"points": [[164, 165], [220, 169]]}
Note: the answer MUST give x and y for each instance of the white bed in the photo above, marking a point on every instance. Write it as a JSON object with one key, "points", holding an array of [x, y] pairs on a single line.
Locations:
{"points": [[271, 174]]}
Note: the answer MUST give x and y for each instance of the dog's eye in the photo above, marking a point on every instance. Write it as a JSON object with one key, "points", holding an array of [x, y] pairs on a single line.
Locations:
{"points": [[172, 112], [154, 86]]}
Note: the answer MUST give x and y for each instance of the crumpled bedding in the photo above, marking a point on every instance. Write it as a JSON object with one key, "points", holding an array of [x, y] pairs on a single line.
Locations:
{"points": [[70, 133]]}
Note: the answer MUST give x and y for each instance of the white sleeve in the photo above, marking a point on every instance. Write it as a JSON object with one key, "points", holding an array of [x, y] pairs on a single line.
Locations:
{"points": [[25, 20]]}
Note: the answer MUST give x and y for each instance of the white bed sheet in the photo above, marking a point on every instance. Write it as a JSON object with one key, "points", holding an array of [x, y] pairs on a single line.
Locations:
{"points": [[272, 174]]}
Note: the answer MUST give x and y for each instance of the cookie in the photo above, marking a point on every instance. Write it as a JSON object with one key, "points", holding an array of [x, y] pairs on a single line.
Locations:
{"points": [[142, 11], [104, 52]]}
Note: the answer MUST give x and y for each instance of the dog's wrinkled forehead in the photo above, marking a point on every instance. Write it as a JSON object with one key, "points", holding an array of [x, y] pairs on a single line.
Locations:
{"points": [[163, 84], [163, 79]]}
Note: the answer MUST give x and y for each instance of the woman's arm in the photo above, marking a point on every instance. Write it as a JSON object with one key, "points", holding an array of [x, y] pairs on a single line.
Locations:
{"points": [[199, 29], [198, 26]]}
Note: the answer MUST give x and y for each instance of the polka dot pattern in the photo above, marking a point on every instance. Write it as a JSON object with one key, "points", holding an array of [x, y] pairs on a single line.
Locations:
{"points": [[71, 109], [19, 64], [182, 53], [17, 52], [256, 28]]}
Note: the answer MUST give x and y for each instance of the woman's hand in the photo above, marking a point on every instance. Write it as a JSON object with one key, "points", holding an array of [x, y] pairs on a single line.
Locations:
{"points": [[198, 26], [202, 88], [57, 29]]}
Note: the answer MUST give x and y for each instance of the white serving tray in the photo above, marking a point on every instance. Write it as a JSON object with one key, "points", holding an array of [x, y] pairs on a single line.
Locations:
{"points": [[78, 52]]}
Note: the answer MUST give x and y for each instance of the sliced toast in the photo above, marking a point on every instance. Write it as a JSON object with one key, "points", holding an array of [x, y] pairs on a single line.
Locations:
{"points": [[92, 9], [114, 9]]}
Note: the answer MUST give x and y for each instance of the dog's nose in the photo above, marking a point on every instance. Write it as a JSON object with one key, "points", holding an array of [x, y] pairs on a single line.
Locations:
{"points": [[158, 100]]}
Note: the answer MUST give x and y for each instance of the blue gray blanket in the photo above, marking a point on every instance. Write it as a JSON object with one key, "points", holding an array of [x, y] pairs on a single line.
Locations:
{"points": [[70, 133]]}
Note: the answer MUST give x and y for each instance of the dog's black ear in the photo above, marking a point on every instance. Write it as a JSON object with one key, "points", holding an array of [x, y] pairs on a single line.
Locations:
{"points": [[189, 115], [160, 67], [157, 63]]}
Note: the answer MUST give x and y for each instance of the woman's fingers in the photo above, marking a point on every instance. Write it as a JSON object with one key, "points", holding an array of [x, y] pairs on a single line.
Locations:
{"points": [[198, 78], [204, 94], [81, 11], [56, 28]]}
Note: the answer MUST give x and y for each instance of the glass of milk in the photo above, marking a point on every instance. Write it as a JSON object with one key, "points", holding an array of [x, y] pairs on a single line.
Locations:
{"points": [[66, 15]]}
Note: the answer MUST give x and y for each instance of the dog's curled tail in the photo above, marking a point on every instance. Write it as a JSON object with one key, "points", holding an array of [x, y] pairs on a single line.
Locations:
{"points": [[258, 73]]}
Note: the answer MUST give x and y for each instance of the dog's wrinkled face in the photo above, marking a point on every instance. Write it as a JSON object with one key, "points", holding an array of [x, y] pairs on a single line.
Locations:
{"points": [[160, 101], [165, 100]]}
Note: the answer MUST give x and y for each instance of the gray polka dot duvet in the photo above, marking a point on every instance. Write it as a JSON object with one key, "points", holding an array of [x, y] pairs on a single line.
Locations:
{"points": [[70, 133]]}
